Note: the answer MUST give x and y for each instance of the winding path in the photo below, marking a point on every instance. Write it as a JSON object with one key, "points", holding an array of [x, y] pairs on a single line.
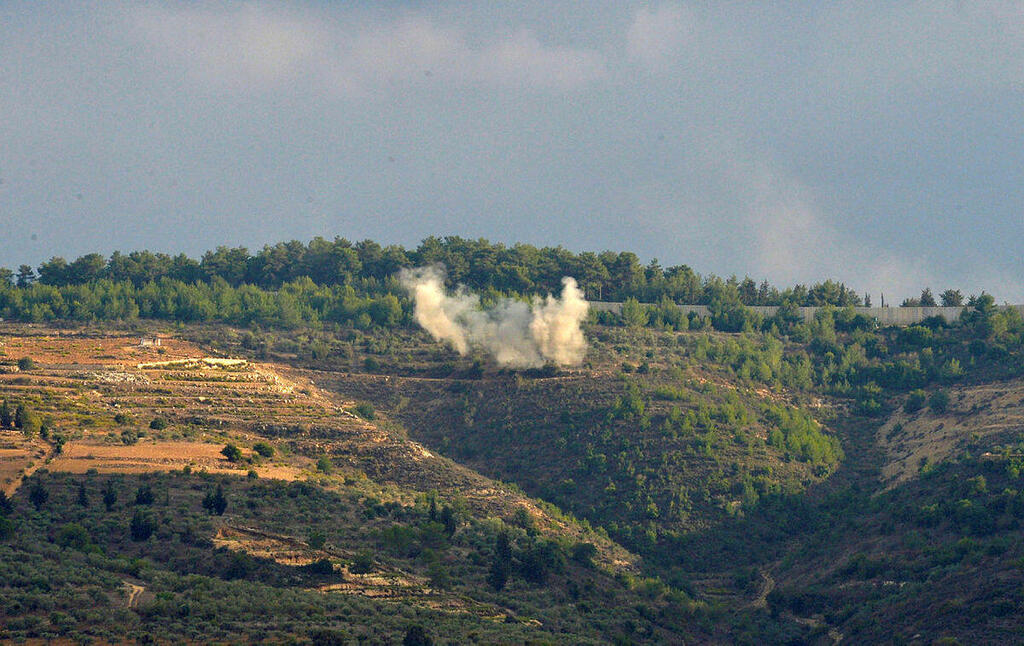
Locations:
{"points": [[134, 592], [761, 601], [10, 488]]}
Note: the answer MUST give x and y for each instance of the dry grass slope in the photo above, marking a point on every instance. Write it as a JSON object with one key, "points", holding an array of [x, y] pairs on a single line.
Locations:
{"points": [[984, 413]]}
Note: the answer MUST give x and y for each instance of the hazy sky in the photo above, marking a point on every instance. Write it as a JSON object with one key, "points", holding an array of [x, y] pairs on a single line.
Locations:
{"points": [[881, 144]]}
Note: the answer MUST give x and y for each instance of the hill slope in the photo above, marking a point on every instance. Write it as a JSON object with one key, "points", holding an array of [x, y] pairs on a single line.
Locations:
{"points": [[860, 542], [831, 482], [322, 508]]}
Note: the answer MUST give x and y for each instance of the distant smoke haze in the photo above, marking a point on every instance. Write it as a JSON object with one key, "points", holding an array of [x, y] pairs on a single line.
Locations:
{"points": [[516, 334]]}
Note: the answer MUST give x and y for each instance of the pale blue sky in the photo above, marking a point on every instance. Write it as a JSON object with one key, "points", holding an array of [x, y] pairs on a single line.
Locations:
{"points": [[881, 144]]}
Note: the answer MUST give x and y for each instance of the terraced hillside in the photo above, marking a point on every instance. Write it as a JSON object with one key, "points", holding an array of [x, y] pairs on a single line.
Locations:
{"points": [[324, 504]]}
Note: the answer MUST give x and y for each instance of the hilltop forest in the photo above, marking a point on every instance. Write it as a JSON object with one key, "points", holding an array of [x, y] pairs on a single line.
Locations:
{"points": [[291, 284], [266, 448]]}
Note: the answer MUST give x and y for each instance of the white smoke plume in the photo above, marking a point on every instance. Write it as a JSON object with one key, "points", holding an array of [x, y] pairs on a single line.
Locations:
{"points": [[516, 334]]}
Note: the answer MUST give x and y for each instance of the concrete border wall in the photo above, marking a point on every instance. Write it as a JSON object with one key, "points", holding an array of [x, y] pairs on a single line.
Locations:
{"points": [[886, 316]]}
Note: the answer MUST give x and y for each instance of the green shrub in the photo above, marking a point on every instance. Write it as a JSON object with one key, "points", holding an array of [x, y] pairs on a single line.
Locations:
{"points": [[324, 465], [6, 528], [231, 452], [362, 563], [142, 526], [109, 495], [365, 410], [317, 539], [939, 401], [31, 424], [321, 567], [584, 553], [915, 401], [144, 495], [417, 636], [74, 536], [158, 424], [38, 495]]}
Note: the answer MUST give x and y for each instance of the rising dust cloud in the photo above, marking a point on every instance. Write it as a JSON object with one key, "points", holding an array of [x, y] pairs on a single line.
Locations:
{"points": [[516, 334]]}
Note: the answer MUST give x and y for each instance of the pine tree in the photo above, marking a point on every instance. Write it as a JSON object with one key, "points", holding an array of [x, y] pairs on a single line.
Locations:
{"points": [[142, 526], [215, 502], [109, 496], [144, 495], [449, 521], [501, 564], [38, 495]]}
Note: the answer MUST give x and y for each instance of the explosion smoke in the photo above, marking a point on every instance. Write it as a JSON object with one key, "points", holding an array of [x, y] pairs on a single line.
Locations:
{"points": [[516, 334]]}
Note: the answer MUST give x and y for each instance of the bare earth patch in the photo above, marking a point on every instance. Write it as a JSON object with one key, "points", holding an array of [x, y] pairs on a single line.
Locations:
{"points": [[80, 457], [145, 456], [79, 347], [19, 457], [975, 412]]}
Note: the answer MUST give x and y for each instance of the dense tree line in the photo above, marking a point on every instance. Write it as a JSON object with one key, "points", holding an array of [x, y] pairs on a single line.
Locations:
{"points": [[297, 303], [369, 268], [290, 284]]}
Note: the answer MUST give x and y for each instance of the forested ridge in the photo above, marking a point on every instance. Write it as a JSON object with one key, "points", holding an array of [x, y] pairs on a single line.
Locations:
{"points": [[480, 265], [291, 283]]}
